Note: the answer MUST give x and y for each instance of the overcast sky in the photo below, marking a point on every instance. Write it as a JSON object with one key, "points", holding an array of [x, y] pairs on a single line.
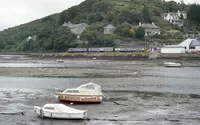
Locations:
{"points": [[16, 12]]}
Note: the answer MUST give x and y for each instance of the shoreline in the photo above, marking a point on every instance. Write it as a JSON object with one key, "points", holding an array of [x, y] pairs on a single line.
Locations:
{"points": [[111, 56], [116, 56]]}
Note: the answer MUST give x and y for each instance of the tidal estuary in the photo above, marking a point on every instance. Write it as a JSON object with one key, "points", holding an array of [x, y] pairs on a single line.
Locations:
{"points": [[140, 92]]}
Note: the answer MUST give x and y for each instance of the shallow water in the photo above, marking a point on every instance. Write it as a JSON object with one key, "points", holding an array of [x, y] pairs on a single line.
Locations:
{"points": [[150, 94]]}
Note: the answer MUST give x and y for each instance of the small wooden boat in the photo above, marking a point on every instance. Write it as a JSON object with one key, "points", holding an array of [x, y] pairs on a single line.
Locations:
{"points": [[172, 64], [59, 111], [86, 93]]}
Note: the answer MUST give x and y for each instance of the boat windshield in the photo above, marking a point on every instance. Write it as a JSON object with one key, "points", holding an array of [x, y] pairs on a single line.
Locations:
{"points": [[90, 86], [49, 108]]}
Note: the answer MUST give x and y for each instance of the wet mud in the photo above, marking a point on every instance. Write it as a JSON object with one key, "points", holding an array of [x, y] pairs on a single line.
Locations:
{"points": [[135, 92]]}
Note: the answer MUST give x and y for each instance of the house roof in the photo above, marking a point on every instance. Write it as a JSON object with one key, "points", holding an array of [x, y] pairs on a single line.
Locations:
{"points": [[71, 25], [149, 25], [183, 12], [173, 14], [195, 42], [110, 26], [186, 42], [173, 46], [164, 14]]}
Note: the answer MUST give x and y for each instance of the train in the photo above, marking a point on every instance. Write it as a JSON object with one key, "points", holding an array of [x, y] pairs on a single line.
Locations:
{"points": [[106, 49]]}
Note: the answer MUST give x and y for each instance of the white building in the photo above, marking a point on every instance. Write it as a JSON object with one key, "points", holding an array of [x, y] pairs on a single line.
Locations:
{"points": [[191, 45], [76, 28], [188, 45], [173, 49], [150, 29], [176, 18], [31, 38], [195, 45], [109, 29]]}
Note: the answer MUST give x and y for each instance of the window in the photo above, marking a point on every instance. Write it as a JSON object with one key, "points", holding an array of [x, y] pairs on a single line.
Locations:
{"points": [[90, 87], [49, 108], [73, 91], [192, 47]]}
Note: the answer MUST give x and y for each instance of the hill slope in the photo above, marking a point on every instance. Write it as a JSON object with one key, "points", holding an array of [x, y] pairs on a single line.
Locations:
{"points": [[48, 34]]}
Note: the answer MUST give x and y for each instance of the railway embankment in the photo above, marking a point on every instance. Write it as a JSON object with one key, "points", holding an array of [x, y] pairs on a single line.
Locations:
{"points": [[117, 56]]}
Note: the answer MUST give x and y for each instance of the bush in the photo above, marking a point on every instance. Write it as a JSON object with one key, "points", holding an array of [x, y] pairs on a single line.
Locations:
{"points": [[140, 32]]}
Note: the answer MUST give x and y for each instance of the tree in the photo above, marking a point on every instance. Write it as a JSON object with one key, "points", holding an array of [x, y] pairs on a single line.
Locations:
{"points": [[128, 15], [146, 14], [61, 18], [140, 32], [183, 5], [124, 29], [132, 31], [2, 43], [96, 39], [63, 39], [108, 41], [95, 17], [101, 6], [73, 11], [110, 16], [170, 6], [80, 18], [193, 13], [91, 37], [47, 45], [26, 45]]}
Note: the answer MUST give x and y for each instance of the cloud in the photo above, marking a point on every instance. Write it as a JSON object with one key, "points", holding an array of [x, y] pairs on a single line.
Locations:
{"points": [[16, 12]]}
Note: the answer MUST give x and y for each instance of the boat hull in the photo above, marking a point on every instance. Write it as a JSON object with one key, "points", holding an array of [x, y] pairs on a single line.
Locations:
{"points": [[57, 115], [171, 64], [67, 98], [174, 65]]}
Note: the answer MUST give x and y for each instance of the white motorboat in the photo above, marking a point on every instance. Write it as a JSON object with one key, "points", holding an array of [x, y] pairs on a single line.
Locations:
{"points": [[59, 111], [172, 64], [86, 93]]}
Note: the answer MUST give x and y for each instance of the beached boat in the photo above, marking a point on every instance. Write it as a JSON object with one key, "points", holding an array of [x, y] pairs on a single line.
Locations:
{"points": [[60, 61], [172, 64], [59, 111], [86, 93]]}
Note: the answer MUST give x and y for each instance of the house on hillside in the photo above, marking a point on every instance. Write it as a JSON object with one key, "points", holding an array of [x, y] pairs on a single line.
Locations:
{"points": [[109, 29], [31, 38], [176, 18], [150, 29], [76, 28]]}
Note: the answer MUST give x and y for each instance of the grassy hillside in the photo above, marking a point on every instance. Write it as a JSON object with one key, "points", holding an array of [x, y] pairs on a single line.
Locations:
{"points": [[48, 34]]}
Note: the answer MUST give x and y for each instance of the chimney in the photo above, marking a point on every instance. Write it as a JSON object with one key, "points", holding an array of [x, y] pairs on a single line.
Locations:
{"points": [[140, 24], [153, 24]]}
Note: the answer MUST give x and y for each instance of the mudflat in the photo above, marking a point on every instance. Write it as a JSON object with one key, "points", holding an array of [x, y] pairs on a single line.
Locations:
{"points": [[135, 92]]}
